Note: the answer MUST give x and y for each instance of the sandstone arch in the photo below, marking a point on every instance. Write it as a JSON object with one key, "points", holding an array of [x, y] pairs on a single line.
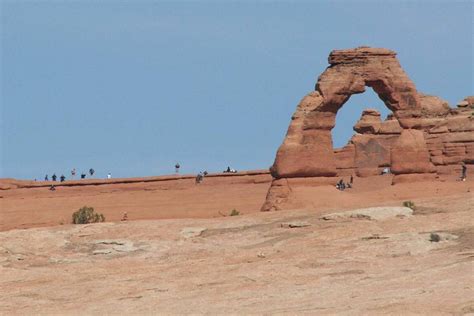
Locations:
{"points": [[430, 137], [307, 150]]}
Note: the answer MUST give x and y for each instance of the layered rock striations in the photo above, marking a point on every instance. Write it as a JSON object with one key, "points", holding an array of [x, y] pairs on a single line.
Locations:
{"points": [[450, 140], [424, 136]]}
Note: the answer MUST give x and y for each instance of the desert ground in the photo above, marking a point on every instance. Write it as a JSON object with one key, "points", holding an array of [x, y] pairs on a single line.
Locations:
{"points": [[33, 204], [180, 252]]}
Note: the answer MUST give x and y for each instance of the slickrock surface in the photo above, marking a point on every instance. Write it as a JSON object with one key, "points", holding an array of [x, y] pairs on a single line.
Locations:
{"points": [[372, 213], [251, 264]]}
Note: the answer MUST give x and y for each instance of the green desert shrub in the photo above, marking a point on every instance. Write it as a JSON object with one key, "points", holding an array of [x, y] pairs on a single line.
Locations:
{"points": [[86, 215], [435, 237], [234, 212], [409, 204]]}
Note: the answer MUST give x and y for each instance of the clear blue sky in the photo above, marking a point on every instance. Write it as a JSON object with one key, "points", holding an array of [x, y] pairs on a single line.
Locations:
{"points": [[133, 87]]}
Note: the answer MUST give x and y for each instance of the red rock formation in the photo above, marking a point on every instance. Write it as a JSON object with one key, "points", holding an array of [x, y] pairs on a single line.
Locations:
{"points": [[451, 139], [410, 154], [309, 134], [345, 159], [390, 126], [423, 132], [369, 122], [372, 154]]}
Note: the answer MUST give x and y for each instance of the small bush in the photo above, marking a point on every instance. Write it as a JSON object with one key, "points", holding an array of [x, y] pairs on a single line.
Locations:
{"points": [[234, 212], [434, 237], [86, 215], [409, 204]]}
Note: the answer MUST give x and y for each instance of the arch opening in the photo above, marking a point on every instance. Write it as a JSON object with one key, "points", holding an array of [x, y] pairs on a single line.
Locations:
{"points": [[350, 113]]}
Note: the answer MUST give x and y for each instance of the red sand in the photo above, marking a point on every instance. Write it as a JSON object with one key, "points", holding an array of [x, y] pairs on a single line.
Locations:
{"points": [[141, 198], [33, 205]]}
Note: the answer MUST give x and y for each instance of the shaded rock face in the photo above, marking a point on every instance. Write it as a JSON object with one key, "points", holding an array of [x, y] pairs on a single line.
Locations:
{"points": [[409, 154], [449, 141], [423, 132]]}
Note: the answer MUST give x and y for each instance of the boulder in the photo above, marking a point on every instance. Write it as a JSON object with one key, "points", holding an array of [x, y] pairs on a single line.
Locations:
{"points": [[369, 122], [190, 232], [468, 102], [410, 154], [433, 105], [390, 126]]}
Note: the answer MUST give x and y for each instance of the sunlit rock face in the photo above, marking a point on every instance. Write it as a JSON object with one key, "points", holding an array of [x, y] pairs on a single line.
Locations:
{"points": [[423, 136]]}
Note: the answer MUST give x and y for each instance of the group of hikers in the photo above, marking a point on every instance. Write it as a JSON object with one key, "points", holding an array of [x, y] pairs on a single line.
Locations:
{"points": [[230, 170], [83, 175], [200, 176], [62, 178], [341, 185]]}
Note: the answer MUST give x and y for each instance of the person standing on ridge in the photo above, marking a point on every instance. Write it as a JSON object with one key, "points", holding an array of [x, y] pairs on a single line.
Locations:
{"points": [[62, 178], [46, 178], [176, 167], [199, 178], [91, 172], [73, 173], [463, 171], [109, 176], [53, 177]]}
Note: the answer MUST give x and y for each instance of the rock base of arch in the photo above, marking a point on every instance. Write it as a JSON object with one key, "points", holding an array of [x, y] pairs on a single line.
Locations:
{"points": [[282, 193]]}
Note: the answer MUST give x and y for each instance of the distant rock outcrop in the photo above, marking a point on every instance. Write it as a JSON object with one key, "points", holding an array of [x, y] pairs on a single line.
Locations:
{"points": [[422, 138]]}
